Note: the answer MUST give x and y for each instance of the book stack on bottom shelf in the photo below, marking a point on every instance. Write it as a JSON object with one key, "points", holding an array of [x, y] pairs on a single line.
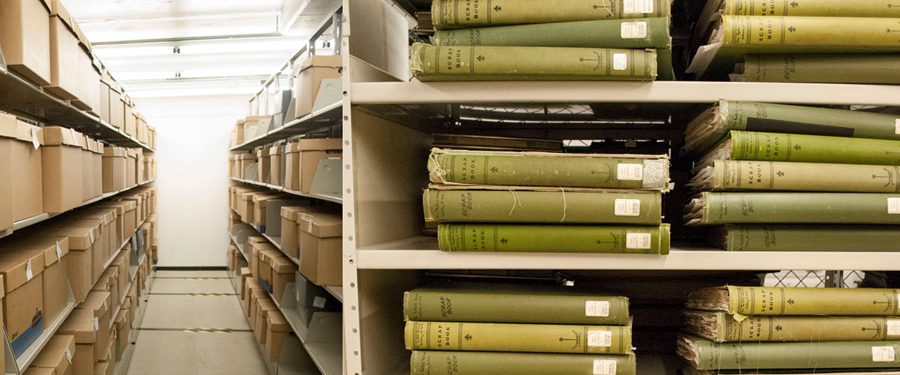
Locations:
{"points": [[799, 330]]}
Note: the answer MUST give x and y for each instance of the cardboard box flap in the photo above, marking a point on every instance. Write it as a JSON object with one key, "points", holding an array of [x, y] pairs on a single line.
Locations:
{"points": [[277, 322], [320, 144], [57, 353], [257, 198], [81, 237], [106, 214], [262, 152], [319, 62], [81, 139], [58, 10], [11, 127], [266, 304], [83, 41], [248, 156], [292, 147], [59, 136], [275, 150], [268, 255], [52, 247], [114, 152], [290, 212], [20, 264], [81, 325], [283, 265], [320, 224], [245, 271], [97, 302]]}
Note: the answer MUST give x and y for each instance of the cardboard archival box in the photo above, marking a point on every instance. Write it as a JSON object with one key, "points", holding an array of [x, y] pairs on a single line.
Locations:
{"points": [[320, 247], [64, 54], [97, 167], [247, 301], [61, 168], [88, 82], [245, 274], [108, 218], [292, 166], [109, 283], [277, 330], [86, 167], [82, 325], [102, 368], [311, 152], [118, 227], [249, 166], [131, 167], [264, 307], [100, 305], [116, 108], [257, 245], [139, 167], [114, 169], [105, 94], [283, 270], [56, 354], [83, 241], [245, 205], [260, 201], [308, 77], [25, 38], [265, 266], [21, 176], [275, 165], [22, 266], [123, 331], [237, 133], [290, 237], [264, 161], [273, 214], [101, 242], [130, 121], [56, 273]]}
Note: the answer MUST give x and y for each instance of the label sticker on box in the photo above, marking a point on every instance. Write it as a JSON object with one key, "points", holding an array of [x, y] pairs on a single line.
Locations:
{"points": [[96, 324], [882, 354], [604, 367], [638, 6], [599, 338], [34, 139], [596, 308], [28, 272], [58, 251], [634, 30], [894, 206], [628, 207], [620, 61], [893, 327], [630, 172], [69, 355], [319, 302], [637, 240], [91, 235]]}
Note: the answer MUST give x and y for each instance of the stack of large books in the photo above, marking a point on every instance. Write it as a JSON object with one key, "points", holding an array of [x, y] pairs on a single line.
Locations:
{"points": [[792, 178], [751, 330], [541, 40], [547, 202], [499, 332], [799, 41]]}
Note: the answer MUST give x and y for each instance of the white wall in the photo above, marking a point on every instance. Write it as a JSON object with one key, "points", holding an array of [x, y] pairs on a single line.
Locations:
{"points": [[192, 155]]}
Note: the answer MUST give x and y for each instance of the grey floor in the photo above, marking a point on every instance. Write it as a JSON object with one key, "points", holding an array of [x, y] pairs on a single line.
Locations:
{"points": [[194, 325]]}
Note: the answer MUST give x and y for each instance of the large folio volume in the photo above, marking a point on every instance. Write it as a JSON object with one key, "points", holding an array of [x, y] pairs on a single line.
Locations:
{"points": [[793, 208], [451, 14], [879, 69], [814, 8], [482, 363], [786, 176], [749, 300], [723, 327], [760, 237], [554, 238]]}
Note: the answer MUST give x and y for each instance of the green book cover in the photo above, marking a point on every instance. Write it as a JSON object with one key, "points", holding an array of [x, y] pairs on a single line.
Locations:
{"points": [[812, 8], [837, 68], [553, 206], [508, 306], [758, 300], [448, 166], [525, 338], [490, 63], [762, 34], [731, 175], [862, 238], [723, 327], [451, 14], [793, 208], [486, 363], [708, 355], [743, 145], [554, 238]]}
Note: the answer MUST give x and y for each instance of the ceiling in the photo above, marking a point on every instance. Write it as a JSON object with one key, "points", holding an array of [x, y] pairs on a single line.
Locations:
{"points": [[170, 48]]}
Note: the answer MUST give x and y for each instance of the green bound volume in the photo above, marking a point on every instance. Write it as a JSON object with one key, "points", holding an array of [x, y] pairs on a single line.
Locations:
{"points": [[486, 363], [715, 123], [527, 338], [793, 208], [708, 355], [743, 145], [881, 69], [447, 166], [506, 306], [452, 14], [789, 176], [556, 206], [754, 237], [810, 34], [554, 238], [811, 8], [488, 63], [724, 327], [759, 300]]}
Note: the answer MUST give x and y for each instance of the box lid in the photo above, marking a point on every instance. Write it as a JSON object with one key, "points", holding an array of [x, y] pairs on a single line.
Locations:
{"points": [[262, 152], [58, 10], [20, 263], [318, 62], [57, 136], [259, 198], [97, 302], [290, 212], [275, 150], [320, 224], [81, 324], [56, 354], [247, 156], [52, 247], [114, 152], [81, 235], [320, 144], [11, 127], [291, 147], [283, 265], [277, 322]]}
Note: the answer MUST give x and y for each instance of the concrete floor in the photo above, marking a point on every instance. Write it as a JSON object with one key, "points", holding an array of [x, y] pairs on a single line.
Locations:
{"points": [[194, 325]]}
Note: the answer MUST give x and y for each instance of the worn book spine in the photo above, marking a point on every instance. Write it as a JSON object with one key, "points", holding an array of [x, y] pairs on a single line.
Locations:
{"points": [[513, 307], [552, 206], [811, 34], [789, 176], [747, 300], [546, 169], [486, 363], [451, 14], [489, 63], [812, 8], [724, 327], [710, 355], [839, 68], [799, 208], [554, 238], [862, 238], [525, 338], [616, 33], [813, 148]]}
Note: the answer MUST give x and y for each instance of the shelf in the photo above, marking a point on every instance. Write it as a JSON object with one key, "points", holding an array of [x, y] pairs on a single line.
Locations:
{"points": [[121, 366], [337, 292], [323, 118], [291, 192]]}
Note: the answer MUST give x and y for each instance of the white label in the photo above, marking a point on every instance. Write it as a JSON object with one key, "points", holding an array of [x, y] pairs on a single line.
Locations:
{"points": [[897, 126], [104, 305], [634, 30], [882, 354], [893, 327], [58, 251], [600, 338], [630, 172], [628, 207], [91, 236], [69, 355], [638, 6], [894, 206], [319, 302], [604, 367], [596, 308], [96, 324], [34, 139], [620, 61], [637, 240], [28, 272]]}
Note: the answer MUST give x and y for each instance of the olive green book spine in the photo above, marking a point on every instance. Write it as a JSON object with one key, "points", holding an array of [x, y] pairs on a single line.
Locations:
{"points": [[839, 68], [503, 306], [489, 63], [548, 169], [724, 327], [750, 300], [861, 238], [451, 14], [763, 34], [813, 148], [556, 206], [487, 363], [813, 8], [789, 176], [525, 338], [795, 208], [554, 238], [708, 355]]}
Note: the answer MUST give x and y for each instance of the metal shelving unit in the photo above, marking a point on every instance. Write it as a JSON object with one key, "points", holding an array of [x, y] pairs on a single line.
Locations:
{"points": [[323, 197], [323, 118]]}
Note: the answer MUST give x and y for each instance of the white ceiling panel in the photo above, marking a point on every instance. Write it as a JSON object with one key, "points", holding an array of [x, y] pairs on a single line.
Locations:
{"points": [[91, 11]]}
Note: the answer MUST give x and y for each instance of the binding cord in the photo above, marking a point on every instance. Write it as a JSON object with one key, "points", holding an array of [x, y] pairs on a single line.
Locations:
{"points": [[439, 173], [516, 202], [565, 205]]}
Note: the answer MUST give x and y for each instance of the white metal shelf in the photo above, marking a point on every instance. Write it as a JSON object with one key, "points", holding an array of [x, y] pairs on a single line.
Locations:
{"points": [[325, 117], [323, 197]]}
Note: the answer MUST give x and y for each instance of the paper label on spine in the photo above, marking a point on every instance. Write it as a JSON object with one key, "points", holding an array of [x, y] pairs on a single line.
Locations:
{"points": [[319, 302], [630, 172], [637, 240], [596, 308], [620, 61], [599, 338], [634, 30], [34, 139], [893, 327], [604, 367], [882, 354], [628, 207], [894, 206], [638, 6], [28, 272], [897, 126]]}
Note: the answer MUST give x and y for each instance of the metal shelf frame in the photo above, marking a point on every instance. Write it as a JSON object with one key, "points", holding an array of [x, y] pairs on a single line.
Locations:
{"points": [[323, 197], [324, 118]]}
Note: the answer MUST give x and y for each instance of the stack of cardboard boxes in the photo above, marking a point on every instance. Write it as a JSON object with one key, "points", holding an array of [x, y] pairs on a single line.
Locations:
{"points": [[290, 165]]}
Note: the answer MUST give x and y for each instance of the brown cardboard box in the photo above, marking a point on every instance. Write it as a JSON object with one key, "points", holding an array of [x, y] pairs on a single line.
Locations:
{"points": [[116, 107], [131, 119], [56, 275], [109, 283], [97, 168], [130, 218], [89, 82], [259, 207], [31, 370], [308, 77], [275, 156], [82, 244], [100, 226], [122, 263], [292, 166], [277, 330], [82, 324], [237, 133], [55, 356], [245, 275], [107, 217], [102, 368], [22, 266], [119, 209], [282, 273], [257, 247], [245, 206], [264, 172], [247, 300], [264, 307], [290, 236], [114, 169], [311, 152], [248, 164], [21, 163], [123, 331], [61, 169], [139, 168], [105, 92], [64, 54], [92, 172], [266, 256], [320, 247], [131, 167], [25, 38], [99, 304], [86, 168]]}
